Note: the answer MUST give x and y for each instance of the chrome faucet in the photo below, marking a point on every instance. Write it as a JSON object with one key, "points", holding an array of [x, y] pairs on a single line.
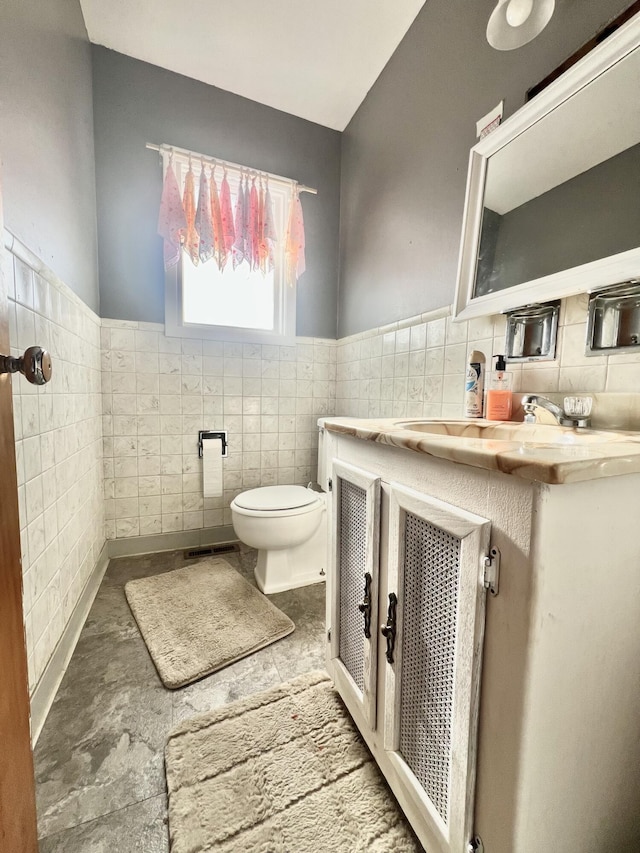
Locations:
{"points": [[577, 416]]}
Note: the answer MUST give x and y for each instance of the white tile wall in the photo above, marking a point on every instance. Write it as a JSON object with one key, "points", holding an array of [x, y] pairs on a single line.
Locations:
{"points": [[58, 432], [158, 392], [416, 368]]}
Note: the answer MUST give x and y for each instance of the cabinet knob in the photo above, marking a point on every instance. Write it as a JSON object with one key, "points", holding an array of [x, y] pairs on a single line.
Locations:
{"points": [[35, 365]]}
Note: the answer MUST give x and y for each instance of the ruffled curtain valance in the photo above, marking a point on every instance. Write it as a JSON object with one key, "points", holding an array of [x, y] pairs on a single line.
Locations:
{"points": [[206, 222]]}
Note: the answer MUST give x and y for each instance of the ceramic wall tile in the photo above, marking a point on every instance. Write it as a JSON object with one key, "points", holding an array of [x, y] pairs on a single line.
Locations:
{"points": [[58, 431], [267, 397], [438, 354]]}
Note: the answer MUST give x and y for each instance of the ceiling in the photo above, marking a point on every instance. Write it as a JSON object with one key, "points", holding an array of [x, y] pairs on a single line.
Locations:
{"points": [[316, 59]]}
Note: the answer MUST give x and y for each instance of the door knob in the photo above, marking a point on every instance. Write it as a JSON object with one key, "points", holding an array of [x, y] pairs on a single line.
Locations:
{"points": [[35, 365]]}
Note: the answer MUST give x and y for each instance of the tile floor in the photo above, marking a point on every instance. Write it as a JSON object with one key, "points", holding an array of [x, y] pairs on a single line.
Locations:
{"points": [[99, 760]]}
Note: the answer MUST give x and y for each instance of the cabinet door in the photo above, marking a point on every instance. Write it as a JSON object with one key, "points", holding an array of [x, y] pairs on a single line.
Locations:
{"points": [[432, 681], [354, 623]]}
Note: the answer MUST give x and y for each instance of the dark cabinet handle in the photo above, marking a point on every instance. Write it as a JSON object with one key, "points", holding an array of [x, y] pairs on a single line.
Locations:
{"points": [[389, 630], [365, 607]]}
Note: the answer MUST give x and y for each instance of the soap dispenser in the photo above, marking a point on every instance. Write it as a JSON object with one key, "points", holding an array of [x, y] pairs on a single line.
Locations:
{"points": [[499, 393]]}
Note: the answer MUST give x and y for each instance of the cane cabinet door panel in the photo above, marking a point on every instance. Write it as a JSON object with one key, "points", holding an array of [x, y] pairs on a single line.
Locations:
{"points": [[354, 623], [434, 634]]}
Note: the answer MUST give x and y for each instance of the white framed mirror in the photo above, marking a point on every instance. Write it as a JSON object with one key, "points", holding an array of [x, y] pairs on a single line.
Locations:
{"points": [[553, 195]]}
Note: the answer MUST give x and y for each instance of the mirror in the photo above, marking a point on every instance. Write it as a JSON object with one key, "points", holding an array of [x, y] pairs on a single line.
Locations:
{"points": [[553, 196]]}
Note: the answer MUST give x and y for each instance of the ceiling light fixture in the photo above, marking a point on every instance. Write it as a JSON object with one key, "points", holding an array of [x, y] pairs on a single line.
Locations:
{"points": [[516, 22]]}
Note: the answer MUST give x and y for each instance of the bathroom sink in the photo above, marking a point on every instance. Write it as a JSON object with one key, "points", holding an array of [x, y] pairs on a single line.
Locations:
{"points": [[512, 432]]}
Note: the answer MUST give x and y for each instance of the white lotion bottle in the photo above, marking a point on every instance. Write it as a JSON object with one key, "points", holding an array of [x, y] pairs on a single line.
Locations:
{"points": [[474, 385]]}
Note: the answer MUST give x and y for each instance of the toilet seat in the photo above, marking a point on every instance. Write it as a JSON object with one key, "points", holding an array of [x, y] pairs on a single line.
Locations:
{"points": [[276, 500]]}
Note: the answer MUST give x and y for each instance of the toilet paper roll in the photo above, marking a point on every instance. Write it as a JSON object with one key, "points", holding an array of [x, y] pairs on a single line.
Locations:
{"points": [[212, 467]]}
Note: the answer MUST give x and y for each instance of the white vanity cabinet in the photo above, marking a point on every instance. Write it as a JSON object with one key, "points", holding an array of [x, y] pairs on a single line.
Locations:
{"points": [[511, 718]]}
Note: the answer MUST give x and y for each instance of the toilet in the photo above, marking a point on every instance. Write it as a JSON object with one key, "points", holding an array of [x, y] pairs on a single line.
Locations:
{"points": [[288, 526]]}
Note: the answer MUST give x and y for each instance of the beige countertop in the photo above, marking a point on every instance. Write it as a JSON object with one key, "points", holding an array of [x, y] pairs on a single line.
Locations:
{"points": [[538, 452]]}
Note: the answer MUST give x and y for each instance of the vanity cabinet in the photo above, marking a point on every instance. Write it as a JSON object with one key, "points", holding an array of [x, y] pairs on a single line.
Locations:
{"points": [[510, 718]]}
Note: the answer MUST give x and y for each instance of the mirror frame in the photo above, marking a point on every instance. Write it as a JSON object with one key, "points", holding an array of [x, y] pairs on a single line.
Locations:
{"points": [[583, 278]]}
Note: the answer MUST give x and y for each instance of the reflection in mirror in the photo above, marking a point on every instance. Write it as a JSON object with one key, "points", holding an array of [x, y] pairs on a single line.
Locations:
{"points": [[565, 192]]}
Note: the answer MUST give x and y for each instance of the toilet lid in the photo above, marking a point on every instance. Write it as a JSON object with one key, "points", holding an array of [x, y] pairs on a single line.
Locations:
{"points": [[276, 497]]}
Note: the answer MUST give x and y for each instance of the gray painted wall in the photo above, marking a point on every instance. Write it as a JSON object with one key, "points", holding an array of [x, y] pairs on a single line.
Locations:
{"points": [[46, 137], [405, 153], [135, 103]]}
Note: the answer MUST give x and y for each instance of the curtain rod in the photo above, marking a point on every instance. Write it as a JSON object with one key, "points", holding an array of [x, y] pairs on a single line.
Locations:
{"points": [[213, 161]]}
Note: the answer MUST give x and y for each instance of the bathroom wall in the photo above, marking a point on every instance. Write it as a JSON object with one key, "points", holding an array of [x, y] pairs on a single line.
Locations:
{"points": [[416, 368], [46, 138], [405, 152], [58, 434], [158, 392], [136, 103]]}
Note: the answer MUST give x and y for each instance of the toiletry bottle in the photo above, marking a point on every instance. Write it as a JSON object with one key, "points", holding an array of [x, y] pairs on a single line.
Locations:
{"points": [[499, 394], [474, 385]]}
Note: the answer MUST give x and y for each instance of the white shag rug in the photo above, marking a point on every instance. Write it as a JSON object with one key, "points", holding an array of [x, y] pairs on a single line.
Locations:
{"points": [[201, 618], [284, 771]]}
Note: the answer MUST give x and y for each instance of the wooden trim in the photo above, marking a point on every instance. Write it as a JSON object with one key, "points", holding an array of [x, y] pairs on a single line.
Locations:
{"points": [[18, 830], [586, 48]]}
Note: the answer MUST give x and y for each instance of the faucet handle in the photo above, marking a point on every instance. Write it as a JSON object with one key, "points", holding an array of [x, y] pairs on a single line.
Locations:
{"points": [[529, 410], [578, 407]]}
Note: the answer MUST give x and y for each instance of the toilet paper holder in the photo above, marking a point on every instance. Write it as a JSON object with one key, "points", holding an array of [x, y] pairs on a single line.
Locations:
{"points": [[204, 434]]}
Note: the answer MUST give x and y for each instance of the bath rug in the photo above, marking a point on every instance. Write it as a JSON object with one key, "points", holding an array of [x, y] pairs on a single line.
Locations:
{"points": [[200, 618], [284, 771]]}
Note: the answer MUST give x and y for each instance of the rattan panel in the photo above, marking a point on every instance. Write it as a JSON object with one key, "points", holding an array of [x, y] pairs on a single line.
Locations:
{"points": [[353, 565], [432, 568]]}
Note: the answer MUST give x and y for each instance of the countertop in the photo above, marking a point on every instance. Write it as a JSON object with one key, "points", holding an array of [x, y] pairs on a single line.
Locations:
{"points": [[537, 452]]}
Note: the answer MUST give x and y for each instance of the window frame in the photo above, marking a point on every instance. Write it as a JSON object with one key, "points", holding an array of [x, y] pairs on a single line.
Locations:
{"points": [[284, 331]]}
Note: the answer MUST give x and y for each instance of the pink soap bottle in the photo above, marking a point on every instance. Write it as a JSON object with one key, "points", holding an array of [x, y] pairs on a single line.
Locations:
{"points": [[499, 394]]}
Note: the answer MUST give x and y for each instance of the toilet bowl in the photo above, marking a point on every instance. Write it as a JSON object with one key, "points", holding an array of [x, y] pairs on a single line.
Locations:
{"points": [[288, 527]]}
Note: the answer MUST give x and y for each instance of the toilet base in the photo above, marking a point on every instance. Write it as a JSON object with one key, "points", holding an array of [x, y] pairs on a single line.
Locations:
{"points": [[289, 568]]}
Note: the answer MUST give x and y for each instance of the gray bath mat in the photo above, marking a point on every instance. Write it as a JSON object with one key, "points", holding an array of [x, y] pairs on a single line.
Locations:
{"points": [[201, 618], [283, 771]]}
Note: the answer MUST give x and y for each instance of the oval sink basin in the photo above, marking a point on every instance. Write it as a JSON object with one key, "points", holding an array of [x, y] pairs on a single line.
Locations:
{"points": [[513, 432]]}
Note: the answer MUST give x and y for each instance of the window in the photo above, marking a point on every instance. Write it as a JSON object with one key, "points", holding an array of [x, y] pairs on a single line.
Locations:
{"points": [[233, 304]]}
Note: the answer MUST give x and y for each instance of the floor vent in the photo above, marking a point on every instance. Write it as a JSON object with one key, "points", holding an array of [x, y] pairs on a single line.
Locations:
{"points": [[211, 550]]}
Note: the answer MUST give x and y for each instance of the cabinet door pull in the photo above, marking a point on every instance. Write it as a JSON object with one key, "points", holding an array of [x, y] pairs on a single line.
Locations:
{"points": [[365, 607], [389, 630]]}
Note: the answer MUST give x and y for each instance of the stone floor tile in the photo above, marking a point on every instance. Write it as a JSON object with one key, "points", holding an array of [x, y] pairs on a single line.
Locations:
{"points": [[140, 828], [100, 757]]}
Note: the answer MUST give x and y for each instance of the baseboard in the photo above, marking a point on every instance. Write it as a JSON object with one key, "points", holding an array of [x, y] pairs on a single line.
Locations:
{"points": [[156, 542], [46, 689]]}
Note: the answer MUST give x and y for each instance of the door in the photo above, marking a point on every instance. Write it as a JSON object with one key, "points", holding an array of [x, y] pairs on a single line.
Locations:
{"points": [[354, 587], [433, 655], [17, 799]]}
